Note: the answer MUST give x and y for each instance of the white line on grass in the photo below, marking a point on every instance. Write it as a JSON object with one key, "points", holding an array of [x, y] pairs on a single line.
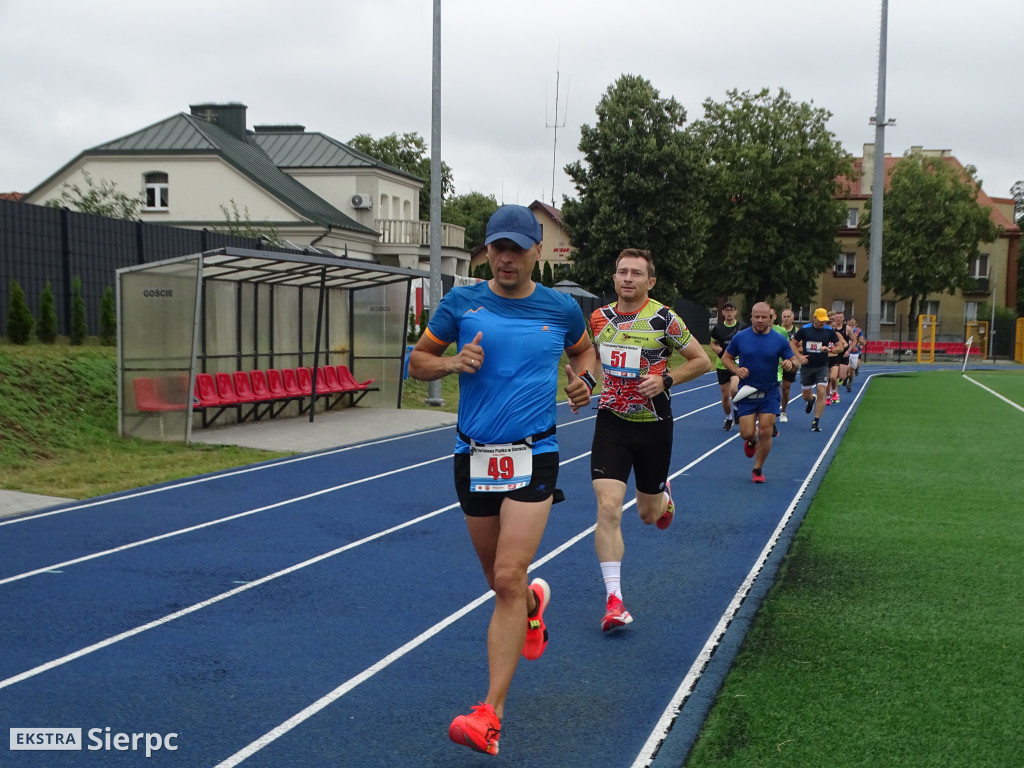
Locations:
{"points": [[992, 391]]}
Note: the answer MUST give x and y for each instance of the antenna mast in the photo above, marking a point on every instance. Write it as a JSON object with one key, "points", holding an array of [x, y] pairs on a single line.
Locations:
{"points": [[556, 126]]}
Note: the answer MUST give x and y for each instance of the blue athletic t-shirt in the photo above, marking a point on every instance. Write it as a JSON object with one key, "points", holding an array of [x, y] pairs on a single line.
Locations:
{"points": [[523, 340], [759, 353]]}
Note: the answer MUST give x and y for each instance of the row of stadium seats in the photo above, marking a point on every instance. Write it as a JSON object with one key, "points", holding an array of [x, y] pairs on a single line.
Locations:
{"points": [[953, 348], [255, 393]]}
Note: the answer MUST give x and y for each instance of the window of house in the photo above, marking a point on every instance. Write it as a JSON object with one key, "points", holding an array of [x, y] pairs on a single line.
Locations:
{"points": [[843, 305], [846, 265], [970, 311], [888, 312], [978, 266], [930, 308], [801, 314], [851, 217], [156, 192]]}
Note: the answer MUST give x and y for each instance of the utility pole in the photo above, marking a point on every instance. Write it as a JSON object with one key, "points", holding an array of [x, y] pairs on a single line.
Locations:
{"points": [[878, 188], [434, 387]]}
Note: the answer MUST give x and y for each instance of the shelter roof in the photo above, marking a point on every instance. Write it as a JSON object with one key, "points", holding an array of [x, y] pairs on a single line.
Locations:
{"points": [[294, 269]]}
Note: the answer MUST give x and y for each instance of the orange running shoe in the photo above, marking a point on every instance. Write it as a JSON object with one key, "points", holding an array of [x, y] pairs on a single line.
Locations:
{"points": [[536, 632], [478, 730], [616, 615], [665, 520]]}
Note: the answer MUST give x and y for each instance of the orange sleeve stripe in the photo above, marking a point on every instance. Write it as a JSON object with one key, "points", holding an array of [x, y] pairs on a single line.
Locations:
{"points": [[583, 338], [433, 338]]}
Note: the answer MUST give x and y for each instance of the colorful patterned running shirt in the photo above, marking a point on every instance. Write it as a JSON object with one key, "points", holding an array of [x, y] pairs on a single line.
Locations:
{"points": [[656, 331]]}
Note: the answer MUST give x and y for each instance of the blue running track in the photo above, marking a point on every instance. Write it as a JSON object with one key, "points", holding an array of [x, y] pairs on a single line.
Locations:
{"points": [[328, 609]]}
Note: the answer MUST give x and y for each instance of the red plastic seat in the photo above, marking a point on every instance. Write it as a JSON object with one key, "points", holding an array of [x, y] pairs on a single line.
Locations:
{"points": [[348, 381], [147, 398], [275, 383], [173, 389], [226, 388], [205, 392], [260, 387], [291, 382], [243, 387], [329, 379], [305, 379]]}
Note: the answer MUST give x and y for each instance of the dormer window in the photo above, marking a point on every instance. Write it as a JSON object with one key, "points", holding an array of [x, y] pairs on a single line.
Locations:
{"points": [[156, 192]]}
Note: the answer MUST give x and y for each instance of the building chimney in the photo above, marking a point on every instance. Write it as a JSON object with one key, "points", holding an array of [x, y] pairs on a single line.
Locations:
{"points": [[230, 117]]}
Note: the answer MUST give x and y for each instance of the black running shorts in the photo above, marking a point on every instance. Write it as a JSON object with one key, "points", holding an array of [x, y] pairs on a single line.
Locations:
{"points": [[487, 504], [645, 447]]}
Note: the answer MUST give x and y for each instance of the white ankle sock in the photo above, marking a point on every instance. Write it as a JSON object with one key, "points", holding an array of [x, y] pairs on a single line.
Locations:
{"points": [[612, 578]]}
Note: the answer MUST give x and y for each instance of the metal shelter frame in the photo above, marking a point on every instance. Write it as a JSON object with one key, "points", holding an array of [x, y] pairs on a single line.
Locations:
{"points": [[164, 311]]}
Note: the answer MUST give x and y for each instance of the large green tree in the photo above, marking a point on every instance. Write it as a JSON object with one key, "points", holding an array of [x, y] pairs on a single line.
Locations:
{"points": [[637, 188], [472, 212], [409, 153], [771, 192], [932, 225]]}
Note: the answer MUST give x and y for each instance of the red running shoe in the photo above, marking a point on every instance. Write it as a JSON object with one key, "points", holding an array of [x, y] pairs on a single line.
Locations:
{"points": [[757, 476], [478, 730], [749, 449], [665, 520], [616, 615], [536, 632]]}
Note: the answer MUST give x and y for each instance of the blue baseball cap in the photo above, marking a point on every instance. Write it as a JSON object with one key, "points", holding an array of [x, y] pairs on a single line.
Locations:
{"points": [[516, 223]]}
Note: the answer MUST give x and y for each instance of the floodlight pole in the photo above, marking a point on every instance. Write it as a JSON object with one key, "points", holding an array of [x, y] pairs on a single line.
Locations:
{"points": [[434, 387], [878, 188]]}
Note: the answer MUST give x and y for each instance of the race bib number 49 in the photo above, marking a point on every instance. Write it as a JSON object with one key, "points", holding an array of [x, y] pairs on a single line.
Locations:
{"points": [[499, 468], [622, 360]]}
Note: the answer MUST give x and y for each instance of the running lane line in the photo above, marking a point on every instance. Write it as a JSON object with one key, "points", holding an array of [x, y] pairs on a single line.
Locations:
{"points": [[299, 717], [54, 663]]}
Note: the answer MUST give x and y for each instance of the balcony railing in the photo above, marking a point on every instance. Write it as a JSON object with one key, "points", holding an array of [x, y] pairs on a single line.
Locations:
{"points": [[977, 285], [850, 270], [410, 232]]}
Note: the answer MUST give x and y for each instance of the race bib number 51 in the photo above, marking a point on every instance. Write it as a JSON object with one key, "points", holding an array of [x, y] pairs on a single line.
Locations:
{"points": [[500, 467], [622, 360]]}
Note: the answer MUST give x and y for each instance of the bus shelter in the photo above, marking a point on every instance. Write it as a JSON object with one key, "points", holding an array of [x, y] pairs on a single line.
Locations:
{"points": [[238, 310]]}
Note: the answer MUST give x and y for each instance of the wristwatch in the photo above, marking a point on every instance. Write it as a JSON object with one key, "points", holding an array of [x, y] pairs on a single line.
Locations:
{"points": [[667, 381]]}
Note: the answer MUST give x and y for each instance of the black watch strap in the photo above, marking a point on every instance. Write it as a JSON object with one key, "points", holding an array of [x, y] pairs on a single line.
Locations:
{"points": [[667, 381]]}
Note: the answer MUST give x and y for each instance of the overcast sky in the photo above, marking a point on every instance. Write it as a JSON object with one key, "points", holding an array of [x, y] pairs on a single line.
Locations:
{"points": [[77, 74]]}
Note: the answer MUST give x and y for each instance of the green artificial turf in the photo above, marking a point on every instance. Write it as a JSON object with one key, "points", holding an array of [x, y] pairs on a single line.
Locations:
{"points": [[894, 633]]}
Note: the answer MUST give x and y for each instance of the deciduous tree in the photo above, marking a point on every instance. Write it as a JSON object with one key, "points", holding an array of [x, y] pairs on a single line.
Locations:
{"points": [[637, 187], [471, 211], [932, 225], [771, 193]]}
